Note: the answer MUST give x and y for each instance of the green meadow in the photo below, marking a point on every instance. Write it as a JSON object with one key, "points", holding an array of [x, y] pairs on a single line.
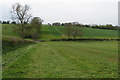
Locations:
{"points": [[56, 32], [62, 59]]}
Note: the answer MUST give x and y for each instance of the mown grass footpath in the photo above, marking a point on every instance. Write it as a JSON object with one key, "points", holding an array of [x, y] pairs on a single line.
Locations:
{"points": [[77, 59]]}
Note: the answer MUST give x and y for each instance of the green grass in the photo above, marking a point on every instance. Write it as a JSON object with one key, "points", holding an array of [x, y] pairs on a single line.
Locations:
{"points": [[79, 59], [55, 32], [8, 30], [13, 43], [99, 33], [63, 60]]}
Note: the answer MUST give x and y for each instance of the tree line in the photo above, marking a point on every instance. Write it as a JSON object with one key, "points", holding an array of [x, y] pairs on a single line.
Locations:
{"points": [[107, 26]]}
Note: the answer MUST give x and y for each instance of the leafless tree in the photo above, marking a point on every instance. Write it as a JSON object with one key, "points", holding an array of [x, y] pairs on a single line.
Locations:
{"points": [[21, 14], [72, 30], [76, 32], [68, 29]]}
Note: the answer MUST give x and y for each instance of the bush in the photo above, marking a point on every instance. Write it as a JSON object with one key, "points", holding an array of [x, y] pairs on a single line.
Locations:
{"points": [[12, 43], [31, 30], [72, 30]]}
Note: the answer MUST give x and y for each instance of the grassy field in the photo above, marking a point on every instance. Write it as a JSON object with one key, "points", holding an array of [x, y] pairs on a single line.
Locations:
{"points": [[8, 30], [63, 60], [55, 32]]}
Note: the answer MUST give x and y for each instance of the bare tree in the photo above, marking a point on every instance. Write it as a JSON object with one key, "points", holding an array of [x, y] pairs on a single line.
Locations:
{"points": [[68, 29], [21, 14], [72, 30], [76, 32]]}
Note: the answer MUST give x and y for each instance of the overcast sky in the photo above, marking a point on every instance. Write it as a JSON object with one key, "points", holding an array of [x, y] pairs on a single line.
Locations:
{"points": [[82, 11]]}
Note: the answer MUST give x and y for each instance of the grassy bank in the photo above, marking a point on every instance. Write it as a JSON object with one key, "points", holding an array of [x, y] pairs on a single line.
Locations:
{"points": [[13, 43]]}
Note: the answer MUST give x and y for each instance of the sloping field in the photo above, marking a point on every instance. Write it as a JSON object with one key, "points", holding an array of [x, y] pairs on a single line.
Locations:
{"points": [[63, 60], [56, 32], [9, 30]]}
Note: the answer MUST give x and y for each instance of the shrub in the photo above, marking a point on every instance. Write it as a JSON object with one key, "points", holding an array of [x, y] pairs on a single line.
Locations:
{"points": [[12, 43], [72, 30]]}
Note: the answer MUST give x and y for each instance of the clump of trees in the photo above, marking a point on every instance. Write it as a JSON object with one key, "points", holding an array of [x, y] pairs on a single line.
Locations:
{"points": [[56, 24], [5, 22], [27, 27], [71, 30], [31, 30], [107, 26], [36, 24], [13, 22]]}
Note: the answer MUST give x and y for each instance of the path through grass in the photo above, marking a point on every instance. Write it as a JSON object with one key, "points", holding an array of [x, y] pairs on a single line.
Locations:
{"points": [[63, 60]]}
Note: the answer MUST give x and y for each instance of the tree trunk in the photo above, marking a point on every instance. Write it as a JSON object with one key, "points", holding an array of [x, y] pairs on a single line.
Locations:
{"points": [[74, 37]]}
